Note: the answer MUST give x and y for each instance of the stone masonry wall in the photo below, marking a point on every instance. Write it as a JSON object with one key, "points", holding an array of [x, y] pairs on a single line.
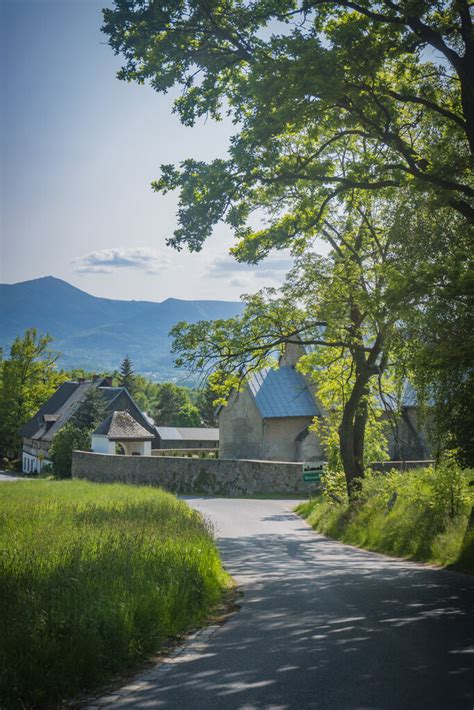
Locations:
{"points": [[193, 476]]}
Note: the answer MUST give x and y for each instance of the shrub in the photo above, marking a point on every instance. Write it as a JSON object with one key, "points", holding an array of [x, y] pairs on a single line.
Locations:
{"points": [[64, 443], [420, 514]]}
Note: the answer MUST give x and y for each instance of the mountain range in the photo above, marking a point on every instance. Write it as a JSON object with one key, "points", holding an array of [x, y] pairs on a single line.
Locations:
{"points": [[96, 333]]}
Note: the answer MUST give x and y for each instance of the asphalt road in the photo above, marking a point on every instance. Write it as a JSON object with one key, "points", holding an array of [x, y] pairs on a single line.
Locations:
{"points": [[322, 625], [7, 478]]}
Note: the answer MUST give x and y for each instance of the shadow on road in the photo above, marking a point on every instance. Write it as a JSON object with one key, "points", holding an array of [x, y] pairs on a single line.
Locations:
{"points": [[328, 626]]}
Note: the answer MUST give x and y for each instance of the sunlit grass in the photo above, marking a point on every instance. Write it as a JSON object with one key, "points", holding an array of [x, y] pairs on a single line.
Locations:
{"points": [[92, 578], [414, 523]]}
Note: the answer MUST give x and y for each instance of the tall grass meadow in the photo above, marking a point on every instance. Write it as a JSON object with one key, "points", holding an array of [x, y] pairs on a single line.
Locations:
{"points": [[92, 579]]}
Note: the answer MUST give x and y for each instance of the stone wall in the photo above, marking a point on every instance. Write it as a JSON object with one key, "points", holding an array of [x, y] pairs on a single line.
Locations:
{"points": [[193, 476]]}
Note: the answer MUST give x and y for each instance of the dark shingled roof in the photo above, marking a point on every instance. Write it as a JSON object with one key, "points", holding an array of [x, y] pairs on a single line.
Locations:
{"points": [[62, 405], [54, 403], [121, 426], [282, 393]]}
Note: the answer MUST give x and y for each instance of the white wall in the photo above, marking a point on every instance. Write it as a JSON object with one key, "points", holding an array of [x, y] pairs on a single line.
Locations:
{"points": [[101, 445], [137, 448], [33, 464]]}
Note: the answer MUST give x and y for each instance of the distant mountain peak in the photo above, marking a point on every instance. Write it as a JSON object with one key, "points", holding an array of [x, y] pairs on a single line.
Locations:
{"points": [[95, 333]]}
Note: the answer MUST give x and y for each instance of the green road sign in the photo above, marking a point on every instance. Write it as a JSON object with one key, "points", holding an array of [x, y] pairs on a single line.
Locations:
{"points": [[312, 471], [311, 477]]}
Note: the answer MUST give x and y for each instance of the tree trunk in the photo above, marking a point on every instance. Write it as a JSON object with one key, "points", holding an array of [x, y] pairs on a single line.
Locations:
{"points": [[352, 436]]}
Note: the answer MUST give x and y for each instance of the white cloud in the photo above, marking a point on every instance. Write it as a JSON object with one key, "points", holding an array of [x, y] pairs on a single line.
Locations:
{"points": [[274, 267], [106, 261]]}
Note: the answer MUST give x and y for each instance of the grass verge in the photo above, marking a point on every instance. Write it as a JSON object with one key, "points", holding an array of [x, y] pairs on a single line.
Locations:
{"points": [[92, 579], [420, 515]]}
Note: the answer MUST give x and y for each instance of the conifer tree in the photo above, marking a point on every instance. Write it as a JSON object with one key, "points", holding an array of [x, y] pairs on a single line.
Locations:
{"points": [[91, 412], [127, 377]]}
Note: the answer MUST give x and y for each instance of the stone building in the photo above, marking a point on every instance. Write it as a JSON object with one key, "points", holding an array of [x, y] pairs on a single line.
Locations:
{"points": [[270, 418], [409, 438]]}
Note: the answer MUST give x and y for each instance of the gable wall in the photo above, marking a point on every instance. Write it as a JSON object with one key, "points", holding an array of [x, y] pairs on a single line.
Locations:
{"points": [[280, 444], [240, 428]]}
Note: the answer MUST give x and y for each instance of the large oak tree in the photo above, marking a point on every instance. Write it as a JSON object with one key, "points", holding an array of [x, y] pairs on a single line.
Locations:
{"points": [[336, 104], [389, 83]]}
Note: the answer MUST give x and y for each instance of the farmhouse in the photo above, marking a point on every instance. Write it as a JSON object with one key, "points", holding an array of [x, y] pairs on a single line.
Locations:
{"points": [[57, 411]]}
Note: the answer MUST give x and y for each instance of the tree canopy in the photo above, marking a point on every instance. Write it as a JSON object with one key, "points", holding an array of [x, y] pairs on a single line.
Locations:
{"points": [[327, 97], [354, 125], [27, 378]]}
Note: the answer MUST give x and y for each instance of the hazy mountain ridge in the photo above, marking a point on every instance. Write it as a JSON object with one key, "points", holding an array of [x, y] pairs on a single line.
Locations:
{"points": [[96, 333]]}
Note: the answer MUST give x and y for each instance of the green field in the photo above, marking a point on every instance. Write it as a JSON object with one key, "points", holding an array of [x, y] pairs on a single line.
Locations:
{"points": [[420, 515], [92, 579]]}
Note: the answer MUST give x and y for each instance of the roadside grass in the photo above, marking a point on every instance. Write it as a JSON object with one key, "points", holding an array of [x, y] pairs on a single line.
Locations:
{"points": [[92, 579], [420, 515]]}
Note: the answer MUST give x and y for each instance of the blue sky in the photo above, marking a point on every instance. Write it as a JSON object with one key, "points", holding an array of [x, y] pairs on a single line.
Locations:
{"points": [[79, 150]]}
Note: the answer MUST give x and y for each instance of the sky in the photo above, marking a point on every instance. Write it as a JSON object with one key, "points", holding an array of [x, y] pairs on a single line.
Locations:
{"points": [[79, 149]]}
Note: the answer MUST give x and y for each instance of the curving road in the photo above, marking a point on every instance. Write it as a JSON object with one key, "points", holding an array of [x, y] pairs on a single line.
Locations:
{"points": [[322, 625]]}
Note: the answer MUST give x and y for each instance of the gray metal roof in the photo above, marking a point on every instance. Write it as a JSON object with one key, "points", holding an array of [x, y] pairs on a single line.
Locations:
{"points": [[121, 426], [187, 433], [282, 393], [409, 395]]}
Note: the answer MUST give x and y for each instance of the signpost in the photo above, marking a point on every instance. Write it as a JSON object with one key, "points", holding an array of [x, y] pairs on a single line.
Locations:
{"points": [[313, 471]]}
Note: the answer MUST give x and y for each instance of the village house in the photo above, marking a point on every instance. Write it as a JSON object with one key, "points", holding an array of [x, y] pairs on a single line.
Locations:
{"points": [[58, 410], [270, 418], [120, 433]]}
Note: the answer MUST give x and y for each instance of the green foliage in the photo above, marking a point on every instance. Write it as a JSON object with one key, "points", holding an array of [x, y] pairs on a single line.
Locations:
{"points": [[420, 514], [385, 85], [450, 492], [188, 416], [355, 124], [65, 441], [206, 404], [95, 578], [27, 378], [334, 485], [171, 405], [437, 324]]}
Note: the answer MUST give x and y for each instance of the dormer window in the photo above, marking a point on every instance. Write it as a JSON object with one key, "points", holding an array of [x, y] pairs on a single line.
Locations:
{"points": [[49, 420]]}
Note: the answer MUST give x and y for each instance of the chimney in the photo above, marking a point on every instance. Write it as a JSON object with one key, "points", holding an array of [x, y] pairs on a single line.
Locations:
{"points": [[108, 381], [81, 380], [95, 378]]}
